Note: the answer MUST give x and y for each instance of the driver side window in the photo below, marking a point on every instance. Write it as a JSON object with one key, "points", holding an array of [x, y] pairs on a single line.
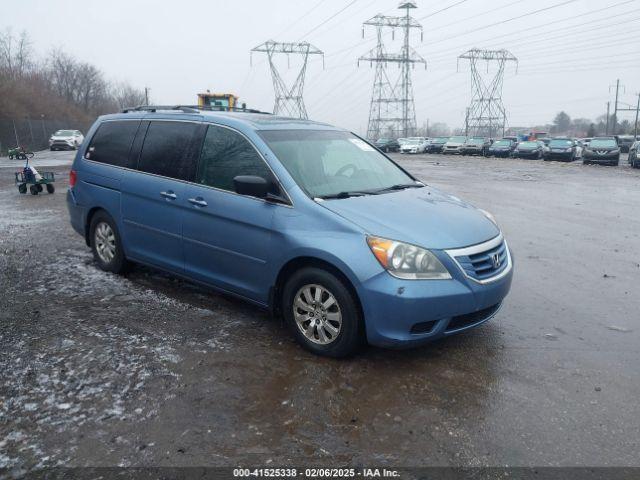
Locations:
{"points": [[225, 155]]}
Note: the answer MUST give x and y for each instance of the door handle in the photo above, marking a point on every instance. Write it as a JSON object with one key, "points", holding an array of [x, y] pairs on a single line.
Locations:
{"points": [[169, 195], [198, 202]]}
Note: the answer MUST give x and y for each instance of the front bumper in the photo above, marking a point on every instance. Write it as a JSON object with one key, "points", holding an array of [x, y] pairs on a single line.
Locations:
{"points": [[500, 153], [604, 158], [404, 313], [452, 150], [472, 150], [526, 154], [566, 156]]}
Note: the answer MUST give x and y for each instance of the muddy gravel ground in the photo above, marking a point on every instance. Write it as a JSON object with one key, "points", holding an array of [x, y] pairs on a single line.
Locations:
{"points": [[149, 370]]}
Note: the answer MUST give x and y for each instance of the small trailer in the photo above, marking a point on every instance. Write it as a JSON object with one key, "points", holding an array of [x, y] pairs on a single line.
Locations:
{"points": [[36, 182]]}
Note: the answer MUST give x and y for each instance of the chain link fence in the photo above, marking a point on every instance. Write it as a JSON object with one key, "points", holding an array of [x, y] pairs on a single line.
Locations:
{"points": [[33, 133]]}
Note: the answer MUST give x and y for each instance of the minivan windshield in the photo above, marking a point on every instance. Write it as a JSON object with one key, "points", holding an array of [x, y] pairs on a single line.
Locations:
{"points": [[333, 163], [64, 133]]}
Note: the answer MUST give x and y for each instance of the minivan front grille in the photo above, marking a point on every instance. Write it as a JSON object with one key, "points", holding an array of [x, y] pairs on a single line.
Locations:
{"points": [[484, 262], [487, 264]]}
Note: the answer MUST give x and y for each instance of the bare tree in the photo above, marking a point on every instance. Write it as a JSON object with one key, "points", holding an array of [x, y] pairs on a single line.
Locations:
{"points": [[16, 54], [127, 96]]}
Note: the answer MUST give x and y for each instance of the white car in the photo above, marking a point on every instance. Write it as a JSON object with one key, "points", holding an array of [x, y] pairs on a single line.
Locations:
{"points": [[414, 145], [66, 140]]}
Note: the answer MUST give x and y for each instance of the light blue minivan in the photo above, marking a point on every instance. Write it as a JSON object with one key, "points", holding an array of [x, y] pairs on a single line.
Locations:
{"points": [[307, 220]]}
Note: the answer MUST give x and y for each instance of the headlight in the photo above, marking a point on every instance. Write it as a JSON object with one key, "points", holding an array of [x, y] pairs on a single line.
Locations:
{"points": [[406, 261], [568, 149], [489, 216]]}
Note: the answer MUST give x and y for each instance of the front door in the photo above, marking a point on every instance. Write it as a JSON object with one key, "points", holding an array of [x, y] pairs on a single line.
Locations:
{"points": [[228, 237]]}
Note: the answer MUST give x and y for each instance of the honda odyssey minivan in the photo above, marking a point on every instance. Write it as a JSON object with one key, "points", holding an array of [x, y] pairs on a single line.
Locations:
{"points": [[301, 218]]}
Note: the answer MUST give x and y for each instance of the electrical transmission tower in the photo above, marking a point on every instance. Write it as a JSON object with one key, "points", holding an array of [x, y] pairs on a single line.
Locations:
{"points": [[392, 110], [486, 114], [289, 101]]}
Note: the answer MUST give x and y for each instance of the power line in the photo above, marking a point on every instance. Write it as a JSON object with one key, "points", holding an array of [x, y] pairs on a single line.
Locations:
{"points": [[293, 24], [329, 19]]}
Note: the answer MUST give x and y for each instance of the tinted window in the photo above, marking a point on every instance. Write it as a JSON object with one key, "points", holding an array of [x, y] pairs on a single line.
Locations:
{"points": [[167, 150], [112, 142], [225, 155]]}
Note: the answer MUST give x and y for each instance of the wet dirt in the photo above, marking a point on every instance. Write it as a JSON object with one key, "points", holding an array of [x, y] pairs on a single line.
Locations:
{"points": [[146, 369]]}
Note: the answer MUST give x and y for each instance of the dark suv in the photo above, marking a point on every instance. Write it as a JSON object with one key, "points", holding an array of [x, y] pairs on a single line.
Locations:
{"points": [[625, 142], [476, 146], [388, 145], [602, 150], [561, 149]]}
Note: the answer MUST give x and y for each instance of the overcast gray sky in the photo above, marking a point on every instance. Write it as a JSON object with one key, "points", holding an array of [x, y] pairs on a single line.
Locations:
{"points": [[569, 55]]}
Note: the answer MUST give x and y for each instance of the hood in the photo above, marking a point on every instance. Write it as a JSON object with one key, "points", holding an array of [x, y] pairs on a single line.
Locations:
{"points": [[454, 144], [61, 137], [424, 216], [500, 147]]}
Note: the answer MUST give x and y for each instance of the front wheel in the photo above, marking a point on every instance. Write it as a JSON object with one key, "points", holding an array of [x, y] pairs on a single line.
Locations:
{"points": [[50, 188], [322, 313], [106, 244]]}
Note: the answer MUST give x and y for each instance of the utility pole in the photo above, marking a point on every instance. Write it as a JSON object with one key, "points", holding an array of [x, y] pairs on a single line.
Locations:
{"points": [[615, 107], [635, 134], [146, 95], [288, 101], [606, 131], [392, 106], [486, 114]]}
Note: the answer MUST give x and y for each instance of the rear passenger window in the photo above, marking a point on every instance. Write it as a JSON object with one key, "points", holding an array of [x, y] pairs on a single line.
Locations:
{"points": [[225, 155], [168, 150], [112, 142]]}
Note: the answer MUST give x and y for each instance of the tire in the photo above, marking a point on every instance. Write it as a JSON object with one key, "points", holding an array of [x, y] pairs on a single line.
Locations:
{"points": [[300, 292], [104, 239], [50, 188], [51, 148], [34, 190], [22, 188], [586, 162], [39, 187], [10, 157]]}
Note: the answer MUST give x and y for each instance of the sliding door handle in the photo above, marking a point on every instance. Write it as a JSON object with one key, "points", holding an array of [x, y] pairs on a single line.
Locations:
{"points": [[198, 201]]}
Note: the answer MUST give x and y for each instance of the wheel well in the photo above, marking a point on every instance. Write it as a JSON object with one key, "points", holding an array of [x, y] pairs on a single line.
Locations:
{"points": [[302, 262], [87, 223]]}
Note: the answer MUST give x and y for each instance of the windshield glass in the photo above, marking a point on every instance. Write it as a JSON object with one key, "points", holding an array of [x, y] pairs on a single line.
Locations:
{"points": [[606, 142], [327, 162], [560, 143], [457, 139], [64, 133], [413, 141], [440, 140], [383, 140], [476, 140], [502, 143], [528, 144]]}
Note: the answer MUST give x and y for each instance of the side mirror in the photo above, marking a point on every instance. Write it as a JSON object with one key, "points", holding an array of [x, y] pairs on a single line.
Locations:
{"points": [[251, 185]]}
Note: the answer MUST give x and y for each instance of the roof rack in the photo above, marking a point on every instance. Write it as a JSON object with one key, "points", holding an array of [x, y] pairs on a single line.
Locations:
{"points": [[191, 109]]}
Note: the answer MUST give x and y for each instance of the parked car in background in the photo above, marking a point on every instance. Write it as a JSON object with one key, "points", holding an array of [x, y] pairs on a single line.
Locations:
{"points": [[300, 218], [66, 140], [387, 145], [563, 149], [634, 154], [602, 150], [454, 145], [476, 146], [529, 149], [502, 148], [414, 145], [625, 142], [585, 141], [436, 144]]}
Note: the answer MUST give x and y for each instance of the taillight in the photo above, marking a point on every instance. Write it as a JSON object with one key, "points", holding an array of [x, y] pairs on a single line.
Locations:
{"points": [[73, 176]]}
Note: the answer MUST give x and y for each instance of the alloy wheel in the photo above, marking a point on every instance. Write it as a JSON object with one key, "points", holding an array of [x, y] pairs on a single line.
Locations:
{"points": [[105, 241], [317, 314]]}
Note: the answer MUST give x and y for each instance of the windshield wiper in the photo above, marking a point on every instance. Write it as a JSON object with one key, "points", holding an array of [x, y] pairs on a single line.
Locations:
{"points": [[345, 195], [400, 186]]}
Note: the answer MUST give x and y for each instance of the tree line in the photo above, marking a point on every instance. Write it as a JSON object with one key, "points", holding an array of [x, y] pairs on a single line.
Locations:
{"points": [[56, 86]]}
